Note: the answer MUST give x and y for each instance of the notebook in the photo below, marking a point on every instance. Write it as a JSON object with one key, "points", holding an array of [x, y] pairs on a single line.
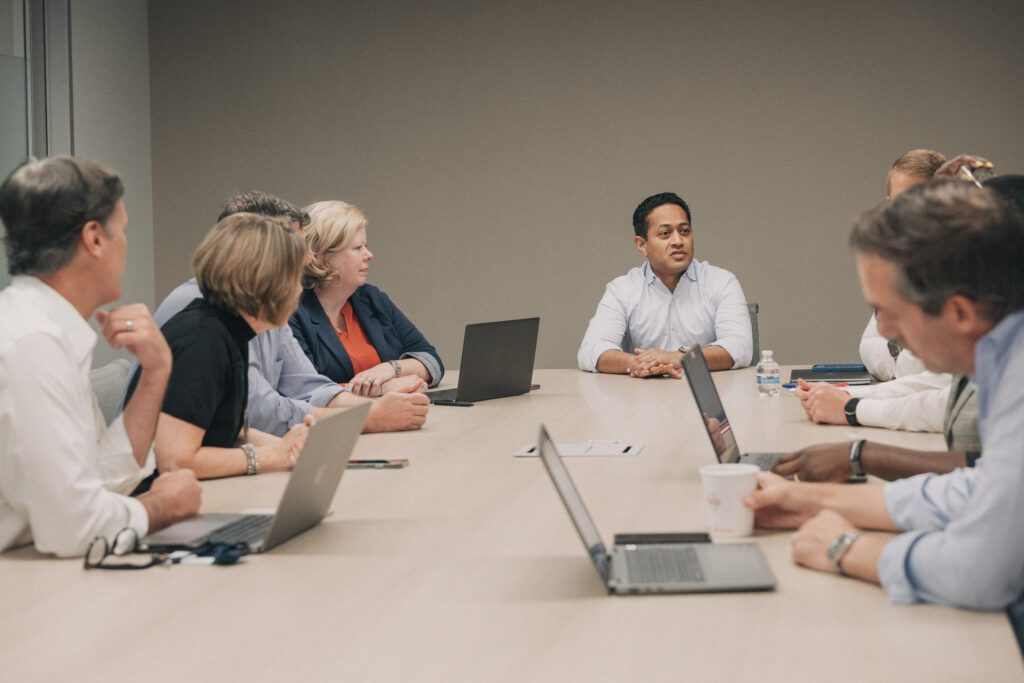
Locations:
{"points": [[657, 567], [305, 502], [497, 361]]}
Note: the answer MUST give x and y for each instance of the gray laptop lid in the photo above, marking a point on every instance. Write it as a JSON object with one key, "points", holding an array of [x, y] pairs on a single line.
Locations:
{"points": [[705, 394], [316, 476], [497, 359], [573, 503]]}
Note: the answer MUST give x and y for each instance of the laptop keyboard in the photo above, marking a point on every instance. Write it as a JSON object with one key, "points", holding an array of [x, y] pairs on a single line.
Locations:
{"points": [[248, 529], [663, 564], [766, 461]]}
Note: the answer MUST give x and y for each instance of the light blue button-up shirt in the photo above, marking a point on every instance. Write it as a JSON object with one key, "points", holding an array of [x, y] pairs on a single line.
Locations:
{"points": [[638, 311], [964, 543]]}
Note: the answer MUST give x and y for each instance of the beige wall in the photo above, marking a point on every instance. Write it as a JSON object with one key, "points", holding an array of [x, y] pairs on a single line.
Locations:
{"points": [[110, 77], [500, 149]]}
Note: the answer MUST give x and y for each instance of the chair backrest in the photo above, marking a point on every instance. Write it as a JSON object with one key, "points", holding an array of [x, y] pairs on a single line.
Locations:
{"points": [[752, 309], [107, 383]]}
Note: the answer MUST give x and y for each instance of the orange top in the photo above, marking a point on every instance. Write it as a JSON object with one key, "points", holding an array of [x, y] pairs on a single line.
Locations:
{"points": [[360, 351]]}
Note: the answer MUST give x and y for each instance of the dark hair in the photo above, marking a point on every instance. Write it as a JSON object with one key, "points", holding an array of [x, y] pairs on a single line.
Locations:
{"points": [[652, 203], [45, 203], [264, 204], [948, 237], [1010, 188]]}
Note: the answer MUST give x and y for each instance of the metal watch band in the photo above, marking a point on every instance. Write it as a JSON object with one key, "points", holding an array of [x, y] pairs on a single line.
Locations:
{"points": [[397, 367], [855, 466], [252, 461], [850, 410], [839, 547]]}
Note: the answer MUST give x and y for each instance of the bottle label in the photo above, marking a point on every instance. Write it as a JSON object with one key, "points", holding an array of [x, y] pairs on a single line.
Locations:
{"points": [[769, 379]]}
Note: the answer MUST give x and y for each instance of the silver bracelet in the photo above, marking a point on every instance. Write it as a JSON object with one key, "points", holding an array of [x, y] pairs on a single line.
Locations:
{"points": [[252, 461], [397, 367]]}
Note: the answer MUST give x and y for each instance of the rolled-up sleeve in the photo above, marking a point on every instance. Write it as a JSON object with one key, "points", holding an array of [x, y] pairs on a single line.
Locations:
{"points": [[55, 465], [732, 322], [967, 544], [283, 384], [606, 331]]}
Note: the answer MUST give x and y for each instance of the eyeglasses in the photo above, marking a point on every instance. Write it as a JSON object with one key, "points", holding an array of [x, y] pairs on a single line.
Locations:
{"points": [[126, 542]]}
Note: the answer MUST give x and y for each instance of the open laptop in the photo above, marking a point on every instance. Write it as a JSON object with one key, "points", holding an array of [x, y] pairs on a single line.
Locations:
{"points": [[658, 567], [713, 414], [304, 504], [497, 361]]}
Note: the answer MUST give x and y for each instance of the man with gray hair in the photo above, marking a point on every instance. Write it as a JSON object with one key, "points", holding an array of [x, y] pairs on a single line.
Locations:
{"points": [[64, 474], [941, 266]]}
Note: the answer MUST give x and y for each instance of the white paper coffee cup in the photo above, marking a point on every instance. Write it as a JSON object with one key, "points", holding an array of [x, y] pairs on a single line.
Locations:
{"points": [[725, 485]]}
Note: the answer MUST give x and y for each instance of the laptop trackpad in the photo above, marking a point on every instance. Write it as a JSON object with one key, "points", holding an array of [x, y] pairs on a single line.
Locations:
{"points": [[191, 530]]}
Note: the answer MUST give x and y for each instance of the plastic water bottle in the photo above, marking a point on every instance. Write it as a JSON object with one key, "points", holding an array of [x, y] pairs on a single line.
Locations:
{"points": [[769, 376]]}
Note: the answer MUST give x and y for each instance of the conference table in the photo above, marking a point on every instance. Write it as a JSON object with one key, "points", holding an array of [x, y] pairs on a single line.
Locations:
{"points": [[464, 566]]}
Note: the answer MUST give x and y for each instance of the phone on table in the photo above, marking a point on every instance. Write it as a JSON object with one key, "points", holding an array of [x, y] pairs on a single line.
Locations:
{"points": [[393, 464]]}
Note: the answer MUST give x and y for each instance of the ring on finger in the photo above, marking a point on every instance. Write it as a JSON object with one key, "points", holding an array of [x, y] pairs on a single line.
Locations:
{"points": [[129, 324]]}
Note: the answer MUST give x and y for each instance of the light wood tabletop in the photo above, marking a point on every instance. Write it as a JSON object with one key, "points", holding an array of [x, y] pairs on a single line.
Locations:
{"points": [[464, 566]]}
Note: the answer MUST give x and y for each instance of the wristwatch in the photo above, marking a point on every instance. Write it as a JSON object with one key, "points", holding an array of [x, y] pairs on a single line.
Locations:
{"points": [[850, 410], [838, 549], [855, 466]]}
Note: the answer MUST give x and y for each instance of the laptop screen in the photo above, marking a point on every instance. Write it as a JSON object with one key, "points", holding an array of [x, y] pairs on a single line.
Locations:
{"points": [[573, 503], [710, 406]]}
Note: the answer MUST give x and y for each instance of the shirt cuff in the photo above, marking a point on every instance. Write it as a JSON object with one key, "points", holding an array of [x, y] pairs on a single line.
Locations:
{"points": [[735, 350], [429, 362], [325, 394], [893, 565], [138, 519], [116, 459], [588, 357]]}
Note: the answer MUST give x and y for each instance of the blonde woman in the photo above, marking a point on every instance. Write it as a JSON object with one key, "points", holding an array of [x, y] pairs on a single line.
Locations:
{"points": [[249, 270], [351, 331]]}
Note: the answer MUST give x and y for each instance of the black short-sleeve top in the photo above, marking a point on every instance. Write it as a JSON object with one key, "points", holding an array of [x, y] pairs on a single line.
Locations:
{"points": [[209, 383]]}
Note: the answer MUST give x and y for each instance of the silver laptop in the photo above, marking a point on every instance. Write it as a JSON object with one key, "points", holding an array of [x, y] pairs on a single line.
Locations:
{"points": [[497, 361], [305, 502], [705, 394], [658, 567]]}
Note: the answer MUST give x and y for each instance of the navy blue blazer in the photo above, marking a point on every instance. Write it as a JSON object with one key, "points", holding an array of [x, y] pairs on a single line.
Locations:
{"points": [[387, 328]]}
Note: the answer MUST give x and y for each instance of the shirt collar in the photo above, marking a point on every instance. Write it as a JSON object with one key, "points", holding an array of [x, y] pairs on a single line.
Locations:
{"points": [[1000, 338], [650, 278], [59, 310]]}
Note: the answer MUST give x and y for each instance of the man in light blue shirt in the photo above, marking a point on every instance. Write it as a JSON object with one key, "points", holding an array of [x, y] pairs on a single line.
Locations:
{"points": [[284, 387], [648, 316], [941, 265]]}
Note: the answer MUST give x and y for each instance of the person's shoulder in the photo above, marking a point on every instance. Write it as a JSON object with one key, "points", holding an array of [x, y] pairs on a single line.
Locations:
{"points": [[180, 297], [714, 272], [22, 320], [375, 297], [195, 325], [634, 277]]}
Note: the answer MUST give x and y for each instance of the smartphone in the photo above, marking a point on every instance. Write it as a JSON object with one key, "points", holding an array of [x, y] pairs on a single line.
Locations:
{"points": [[664, 537], [378, 464]]}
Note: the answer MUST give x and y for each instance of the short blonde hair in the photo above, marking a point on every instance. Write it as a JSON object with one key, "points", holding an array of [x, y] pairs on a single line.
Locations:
{"points": [[332, 227], [251, 264]]}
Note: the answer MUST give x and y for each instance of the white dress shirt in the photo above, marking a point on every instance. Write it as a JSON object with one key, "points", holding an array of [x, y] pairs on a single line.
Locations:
{"points": [[874, 353], [915, 403], [64, 475], [638, 311]]}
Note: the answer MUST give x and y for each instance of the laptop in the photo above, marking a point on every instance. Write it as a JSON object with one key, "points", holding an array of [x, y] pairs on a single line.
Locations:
{"points": [[497, 361], [304, 504], [713, 414], [658, 567]]}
